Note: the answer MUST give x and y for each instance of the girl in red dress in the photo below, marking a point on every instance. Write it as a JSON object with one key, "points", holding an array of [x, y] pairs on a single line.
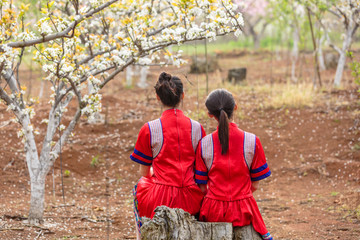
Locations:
{"points": [[168, 145], [229, 164]]}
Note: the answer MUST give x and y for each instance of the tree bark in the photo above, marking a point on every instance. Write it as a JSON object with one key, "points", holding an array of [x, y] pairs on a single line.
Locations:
{"points": [[295, 53], [256, 40], [129, 76], [175, 223], [342, 58], [321, 54], [37, 200]]}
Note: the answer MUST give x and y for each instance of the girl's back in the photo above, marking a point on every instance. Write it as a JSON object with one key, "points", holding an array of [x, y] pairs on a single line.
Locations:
{"points": [[229, 177], [230, 162]]}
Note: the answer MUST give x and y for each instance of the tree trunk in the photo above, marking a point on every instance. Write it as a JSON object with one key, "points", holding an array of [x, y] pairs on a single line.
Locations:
{"points": [[342, 58], [129, 75], [295, 53], [175, 223], [37, 200], [143, 76], [340, 69], [321, 54], [41, 93], [256, 40]]}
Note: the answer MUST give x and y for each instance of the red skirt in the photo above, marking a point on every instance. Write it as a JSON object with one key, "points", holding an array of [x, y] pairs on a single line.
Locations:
{"points": [[151, 195], [240, 213]]}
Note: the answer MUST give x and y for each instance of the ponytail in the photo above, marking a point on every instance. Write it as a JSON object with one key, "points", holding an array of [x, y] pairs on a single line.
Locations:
{"points": [[221, 104], [223, 131]]}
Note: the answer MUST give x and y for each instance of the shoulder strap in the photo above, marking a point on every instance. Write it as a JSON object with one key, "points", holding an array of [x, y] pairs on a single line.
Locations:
{"points": [[156, 134], [195, 133], [249, 148], [207, 150]]}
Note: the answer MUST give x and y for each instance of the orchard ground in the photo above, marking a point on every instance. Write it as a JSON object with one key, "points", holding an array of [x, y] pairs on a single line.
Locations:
{"points": [[311, 140]]}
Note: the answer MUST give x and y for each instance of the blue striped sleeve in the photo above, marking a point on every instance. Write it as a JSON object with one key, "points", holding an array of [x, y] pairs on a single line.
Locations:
{"points": [[139, 161], [261, 177], [257, 170], [201, 173], [142, 155], [200, 181]]}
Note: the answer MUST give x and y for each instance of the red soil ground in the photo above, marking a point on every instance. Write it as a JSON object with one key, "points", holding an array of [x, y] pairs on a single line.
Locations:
{"points": [[313, 153]]}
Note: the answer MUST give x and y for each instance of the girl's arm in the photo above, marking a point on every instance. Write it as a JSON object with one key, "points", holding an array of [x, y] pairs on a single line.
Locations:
{"points": [[203, 188], [254, 186], [145, 171]]}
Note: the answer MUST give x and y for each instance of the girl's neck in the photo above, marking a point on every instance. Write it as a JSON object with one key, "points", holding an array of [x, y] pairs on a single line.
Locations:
{"points": [[168, 107]]}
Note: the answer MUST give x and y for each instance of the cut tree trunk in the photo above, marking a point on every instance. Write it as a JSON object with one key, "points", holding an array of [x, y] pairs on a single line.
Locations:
{"points": [[175, 223]]}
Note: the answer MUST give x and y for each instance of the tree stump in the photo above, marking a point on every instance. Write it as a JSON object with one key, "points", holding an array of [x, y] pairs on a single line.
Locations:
{"points": [[198, 65], [236, 75], [176, 224], [331, 60]]}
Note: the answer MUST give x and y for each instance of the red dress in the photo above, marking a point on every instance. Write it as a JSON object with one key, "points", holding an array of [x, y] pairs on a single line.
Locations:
{"points": [[229, 197], [168, 144]]}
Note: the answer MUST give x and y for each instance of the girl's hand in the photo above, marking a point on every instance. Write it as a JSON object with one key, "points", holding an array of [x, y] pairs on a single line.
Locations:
{"points": [[254, 186], [203, 188], [145, 171]]}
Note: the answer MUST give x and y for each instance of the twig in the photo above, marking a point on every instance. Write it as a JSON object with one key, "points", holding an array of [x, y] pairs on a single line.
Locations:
{"points": [[8, 165], [38, 235], [5, 124], [12, 229], [63, 205]]}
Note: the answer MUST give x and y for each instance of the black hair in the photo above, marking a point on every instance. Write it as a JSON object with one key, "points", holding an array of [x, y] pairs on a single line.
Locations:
{"points": [[221, 104], [169, 89]]}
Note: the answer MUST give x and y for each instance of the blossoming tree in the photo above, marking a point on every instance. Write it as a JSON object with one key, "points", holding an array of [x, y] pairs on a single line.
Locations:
{"points": [[347, 13], [82, 43], [257, 14]]}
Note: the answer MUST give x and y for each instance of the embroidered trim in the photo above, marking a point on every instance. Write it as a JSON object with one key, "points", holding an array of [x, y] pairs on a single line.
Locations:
{"points": [[257, 170], [207, 151], [139, 161], [136, 209], [196, 133], [249, 148], [142, 155], [201, 173], [261, 177], [267, 236], [201, 181], [156, 136]]}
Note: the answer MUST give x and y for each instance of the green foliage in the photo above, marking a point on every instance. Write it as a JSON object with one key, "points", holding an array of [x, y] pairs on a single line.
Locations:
{"points": [[334, 194], [355, 69], [356, 147], [95, 161]]}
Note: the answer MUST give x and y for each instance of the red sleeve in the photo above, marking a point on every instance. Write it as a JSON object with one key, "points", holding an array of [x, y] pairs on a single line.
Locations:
{"points": [[259, 168], [142, 153], [201, 172], [203, 133]]}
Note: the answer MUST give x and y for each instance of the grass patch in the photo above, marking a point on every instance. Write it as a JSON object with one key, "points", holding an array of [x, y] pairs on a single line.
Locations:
{"points": [[289, 95], [334, 194]]}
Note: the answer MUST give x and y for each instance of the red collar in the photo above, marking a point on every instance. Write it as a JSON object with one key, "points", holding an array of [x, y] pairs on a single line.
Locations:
{"points": [[172, 112]]}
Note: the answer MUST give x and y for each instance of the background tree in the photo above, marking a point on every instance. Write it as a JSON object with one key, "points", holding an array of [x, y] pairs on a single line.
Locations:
{"points": [[257, 16], [291, 16], [81, 43], [348, 13]]}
